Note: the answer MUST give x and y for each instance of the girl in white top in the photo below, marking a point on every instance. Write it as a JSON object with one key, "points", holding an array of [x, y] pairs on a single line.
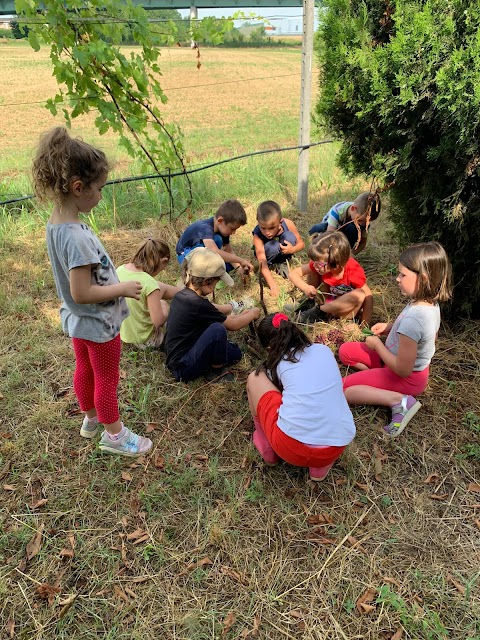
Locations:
{"points": [[392, 374], [145, 326], [296, 399]]}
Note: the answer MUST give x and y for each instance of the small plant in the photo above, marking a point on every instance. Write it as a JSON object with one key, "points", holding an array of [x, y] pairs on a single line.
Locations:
{"points": [[471, 421], [427, 626]]}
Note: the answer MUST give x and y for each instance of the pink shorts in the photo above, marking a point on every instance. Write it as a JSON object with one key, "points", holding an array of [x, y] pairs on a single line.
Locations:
{"points": [[378, 375], [290, 450]]}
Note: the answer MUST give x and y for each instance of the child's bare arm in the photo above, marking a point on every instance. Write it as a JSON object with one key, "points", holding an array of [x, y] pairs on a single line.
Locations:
{"points": [[227, 254], [262, 261], [157, 308], [234, 323], [85, 292], [402, 364], [289, 248], [168, 290], [296, 276]]}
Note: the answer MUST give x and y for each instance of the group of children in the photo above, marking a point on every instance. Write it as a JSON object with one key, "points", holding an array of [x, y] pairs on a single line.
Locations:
{"points": [[299, 403]]}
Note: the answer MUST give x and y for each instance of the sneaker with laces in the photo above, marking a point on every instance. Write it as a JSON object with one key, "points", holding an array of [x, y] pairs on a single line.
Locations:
{"points": [[312, 315], [89, 428], [401, 415], [130, 444]]}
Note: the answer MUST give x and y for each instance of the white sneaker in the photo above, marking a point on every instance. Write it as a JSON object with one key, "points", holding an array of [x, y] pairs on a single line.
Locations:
{"points": [[130, 444], [89, 428]]}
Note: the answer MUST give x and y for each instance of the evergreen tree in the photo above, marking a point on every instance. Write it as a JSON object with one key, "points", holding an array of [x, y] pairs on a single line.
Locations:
{"points": [[400, 87]]}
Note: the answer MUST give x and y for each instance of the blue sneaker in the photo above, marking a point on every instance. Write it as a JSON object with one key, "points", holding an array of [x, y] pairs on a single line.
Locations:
{"points": [[130, 444]]}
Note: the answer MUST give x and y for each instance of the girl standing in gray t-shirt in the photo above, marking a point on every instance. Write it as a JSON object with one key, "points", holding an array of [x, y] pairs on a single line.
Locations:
{"points": [[392, 374], [72, 174]]}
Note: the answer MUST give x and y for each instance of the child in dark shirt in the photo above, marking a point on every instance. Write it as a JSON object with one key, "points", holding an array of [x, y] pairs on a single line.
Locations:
{"points": [[196, 341], [275, 239]]}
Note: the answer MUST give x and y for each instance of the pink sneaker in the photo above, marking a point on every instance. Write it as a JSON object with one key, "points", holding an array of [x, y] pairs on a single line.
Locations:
{"points": [[264, 449], [317, 474], [401, 415]]}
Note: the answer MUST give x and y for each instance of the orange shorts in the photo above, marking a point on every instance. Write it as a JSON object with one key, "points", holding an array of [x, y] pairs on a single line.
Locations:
{"points": [[289, 449]]}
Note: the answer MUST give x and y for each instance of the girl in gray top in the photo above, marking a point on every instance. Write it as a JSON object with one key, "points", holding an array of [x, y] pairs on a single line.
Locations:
{"points": [[72, 174], [392, 374]]}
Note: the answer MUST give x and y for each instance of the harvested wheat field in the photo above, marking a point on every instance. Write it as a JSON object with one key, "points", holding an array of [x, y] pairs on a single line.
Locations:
{"points": [[201, 540]]}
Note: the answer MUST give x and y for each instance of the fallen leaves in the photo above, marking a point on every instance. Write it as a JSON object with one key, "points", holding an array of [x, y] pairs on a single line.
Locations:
{"points": [[10, 627], [47, 592], [33, 547], [378, 458], [231, 573], [66, 604], [458, 586], [473, 487], [138, 536], [68, 552], [363, 603], [126, 476], [39, 503], [228, 623], [433, 478], [320, 518], [438, 496], [204, 562]]}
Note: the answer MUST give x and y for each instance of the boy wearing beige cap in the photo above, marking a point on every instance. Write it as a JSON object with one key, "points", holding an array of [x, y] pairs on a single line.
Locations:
{"points": [[196, 341]]}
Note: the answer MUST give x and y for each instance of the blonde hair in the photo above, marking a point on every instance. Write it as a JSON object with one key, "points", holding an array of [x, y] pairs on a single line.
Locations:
{"points": [[149, 255], [60, 158], [334, 246], [430, 262], [370, 203]]}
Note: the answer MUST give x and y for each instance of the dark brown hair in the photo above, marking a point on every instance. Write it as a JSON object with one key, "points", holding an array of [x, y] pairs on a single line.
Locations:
{"points": [[283, 343], [149, 255], [268, 209], [430, 262], [60, 158], [334, 246], [232, 211]]}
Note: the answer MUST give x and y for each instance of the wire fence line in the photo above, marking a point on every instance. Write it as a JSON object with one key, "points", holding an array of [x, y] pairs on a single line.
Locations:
{"points": [[175, 174]]}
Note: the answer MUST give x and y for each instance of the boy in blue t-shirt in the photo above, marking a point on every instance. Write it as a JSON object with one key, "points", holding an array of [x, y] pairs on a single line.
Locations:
{"points": [[345, 216], [214, 234]]}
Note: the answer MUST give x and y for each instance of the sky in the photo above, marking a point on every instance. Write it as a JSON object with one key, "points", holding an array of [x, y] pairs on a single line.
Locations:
{"points": [[285, 19]]}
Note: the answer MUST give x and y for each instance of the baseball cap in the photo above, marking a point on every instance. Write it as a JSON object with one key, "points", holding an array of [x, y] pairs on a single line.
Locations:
{"points": [[203, 263]]}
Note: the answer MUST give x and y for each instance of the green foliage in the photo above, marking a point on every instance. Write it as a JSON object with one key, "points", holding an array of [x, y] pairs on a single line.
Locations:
{"points": [[17, 31], [418, 622], [6, 33], [94, 73], [399, 85]]}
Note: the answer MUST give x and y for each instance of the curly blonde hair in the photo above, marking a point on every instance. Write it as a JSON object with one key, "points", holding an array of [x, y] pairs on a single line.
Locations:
{"points": [[60, 158]]}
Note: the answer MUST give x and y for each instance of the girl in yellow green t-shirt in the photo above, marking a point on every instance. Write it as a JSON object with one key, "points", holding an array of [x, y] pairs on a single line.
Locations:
{"points": [[145, 326]]}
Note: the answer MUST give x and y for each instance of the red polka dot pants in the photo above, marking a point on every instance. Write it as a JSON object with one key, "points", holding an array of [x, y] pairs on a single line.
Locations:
{"points": [[96, 377]]}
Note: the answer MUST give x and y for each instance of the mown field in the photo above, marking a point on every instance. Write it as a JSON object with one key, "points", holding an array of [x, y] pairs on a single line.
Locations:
{"points": [[201, 540]]}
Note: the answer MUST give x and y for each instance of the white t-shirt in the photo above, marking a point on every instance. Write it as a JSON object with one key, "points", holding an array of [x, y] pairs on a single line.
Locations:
{"points": [[314, 409]]}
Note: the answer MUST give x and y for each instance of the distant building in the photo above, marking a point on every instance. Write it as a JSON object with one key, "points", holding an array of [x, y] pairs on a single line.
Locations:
{"points": [[5, 24]]}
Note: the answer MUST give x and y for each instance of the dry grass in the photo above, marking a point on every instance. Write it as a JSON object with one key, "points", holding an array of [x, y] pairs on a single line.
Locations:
{"points": [[200, 539]]}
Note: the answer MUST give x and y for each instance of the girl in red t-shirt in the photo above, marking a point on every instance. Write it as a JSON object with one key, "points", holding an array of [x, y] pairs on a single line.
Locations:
{"points": [[339, 277]]}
